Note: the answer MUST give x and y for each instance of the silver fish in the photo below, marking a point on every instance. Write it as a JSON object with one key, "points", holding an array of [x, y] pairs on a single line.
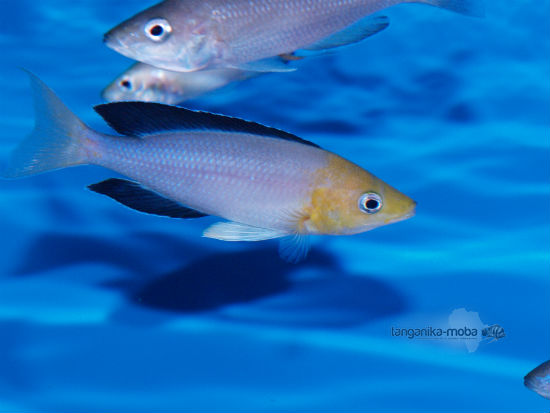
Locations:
{"points": [[150, 84], [185, 164], [538, 380], [189, 35]]}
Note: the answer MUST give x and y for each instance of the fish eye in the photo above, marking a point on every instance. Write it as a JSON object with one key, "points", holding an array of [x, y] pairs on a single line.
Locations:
{"points": [[158, 29], [126, 84], [370, 203]]}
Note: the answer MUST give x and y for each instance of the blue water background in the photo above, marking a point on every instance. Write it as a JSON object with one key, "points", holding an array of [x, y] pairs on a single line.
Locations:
{"points": [[105, 309]]}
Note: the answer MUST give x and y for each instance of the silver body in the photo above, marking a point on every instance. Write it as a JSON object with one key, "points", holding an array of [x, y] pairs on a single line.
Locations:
{"points": [[150, 84], [262, 29], [230, 33], [243, 178]]}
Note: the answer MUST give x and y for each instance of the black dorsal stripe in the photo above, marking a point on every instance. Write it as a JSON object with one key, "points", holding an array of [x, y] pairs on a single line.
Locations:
{"points": [[144, 118]]}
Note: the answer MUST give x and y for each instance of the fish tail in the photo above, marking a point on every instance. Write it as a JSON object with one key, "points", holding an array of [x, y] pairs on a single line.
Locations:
{"points": [[56, 141], [468, 7]]}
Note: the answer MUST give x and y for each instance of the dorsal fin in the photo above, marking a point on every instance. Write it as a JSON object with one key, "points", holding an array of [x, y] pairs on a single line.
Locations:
{"points": [[143, 118]]}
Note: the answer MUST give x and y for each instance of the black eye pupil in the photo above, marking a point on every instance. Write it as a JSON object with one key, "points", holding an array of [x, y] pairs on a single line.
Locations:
{"points": [[372, 204], [156, 30], [126, 84]]}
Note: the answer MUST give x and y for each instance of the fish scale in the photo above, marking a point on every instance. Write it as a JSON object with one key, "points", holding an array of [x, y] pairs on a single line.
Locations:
{"points": [[205, 34], [257, 33], [216, 169]]}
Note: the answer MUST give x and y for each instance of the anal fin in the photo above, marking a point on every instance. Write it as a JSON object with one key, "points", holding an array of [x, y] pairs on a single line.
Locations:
{"points": [[134, 196], [292, 247]]}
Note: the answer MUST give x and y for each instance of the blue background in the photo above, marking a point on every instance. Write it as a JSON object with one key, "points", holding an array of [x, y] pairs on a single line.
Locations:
{"points": [[105, 309]]}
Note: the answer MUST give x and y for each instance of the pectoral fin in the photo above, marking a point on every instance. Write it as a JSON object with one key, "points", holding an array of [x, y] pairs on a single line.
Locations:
{"points": [[134, 196], [271, 64], [294, 248], [357, 32], [234, 231]]}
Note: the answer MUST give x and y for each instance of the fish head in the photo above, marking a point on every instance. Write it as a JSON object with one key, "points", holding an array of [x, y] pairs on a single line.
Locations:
{"points": [[164, 36], [538, 380], [129, 86], [347, 199], [143, 83]]}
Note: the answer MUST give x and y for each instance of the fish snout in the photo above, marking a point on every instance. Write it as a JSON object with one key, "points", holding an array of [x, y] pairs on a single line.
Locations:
{"points": [[402, 214], [108, 37], [107, 93], [116, 40], [412, 210]]}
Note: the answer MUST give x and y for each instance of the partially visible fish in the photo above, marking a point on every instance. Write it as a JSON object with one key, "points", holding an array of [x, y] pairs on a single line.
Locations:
{"points": [[538, 380], [189, 35], [150, 84], [184, 164]]}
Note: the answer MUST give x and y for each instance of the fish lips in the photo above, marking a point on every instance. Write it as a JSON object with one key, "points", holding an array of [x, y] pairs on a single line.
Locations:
{"points": [[113, 41], [409, 214], [412, 211], [118, 41]]}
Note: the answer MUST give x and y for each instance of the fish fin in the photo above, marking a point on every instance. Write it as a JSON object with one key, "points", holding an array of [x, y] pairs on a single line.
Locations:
{"points": [[56, 141], [142, 118], [290, 57], [353, 34], [133, 195], [294, 248], [474, 8], [235, 231], [271, 64]]}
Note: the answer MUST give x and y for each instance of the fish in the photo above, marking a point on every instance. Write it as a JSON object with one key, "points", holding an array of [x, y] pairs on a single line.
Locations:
{"points": [[190, 35], [146, 83], [266, 183], [494, 331], [538, 380]]}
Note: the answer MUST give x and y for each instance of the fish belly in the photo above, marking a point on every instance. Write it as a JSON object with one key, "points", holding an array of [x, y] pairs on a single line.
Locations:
{"points": [[255, 180], [187, 85]]}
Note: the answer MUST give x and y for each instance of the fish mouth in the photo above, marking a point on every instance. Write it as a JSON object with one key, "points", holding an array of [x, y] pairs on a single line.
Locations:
{"points": [[108, 37], [114, 42], [409, 214], [412, 211], [107, 94]]}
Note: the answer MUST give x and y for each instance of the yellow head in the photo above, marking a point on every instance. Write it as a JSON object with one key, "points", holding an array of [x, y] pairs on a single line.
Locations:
{"points": [[346, 199]]}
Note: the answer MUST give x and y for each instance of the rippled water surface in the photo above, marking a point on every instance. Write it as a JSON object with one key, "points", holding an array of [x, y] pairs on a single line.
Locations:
{"points": [[104, 309]]}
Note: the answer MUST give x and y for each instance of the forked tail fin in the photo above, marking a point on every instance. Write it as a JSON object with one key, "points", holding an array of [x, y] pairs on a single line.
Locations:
{"points": [[55, 142]]}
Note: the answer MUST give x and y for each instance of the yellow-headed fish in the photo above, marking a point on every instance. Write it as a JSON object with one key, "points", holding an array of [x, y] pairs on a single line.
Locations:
{"points": [[267, 183]]}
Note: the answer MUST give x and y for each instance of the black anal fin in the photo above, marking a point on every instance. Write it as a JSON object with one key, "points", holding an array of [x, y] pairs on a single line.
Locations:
{"points": [[134, 196]]}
